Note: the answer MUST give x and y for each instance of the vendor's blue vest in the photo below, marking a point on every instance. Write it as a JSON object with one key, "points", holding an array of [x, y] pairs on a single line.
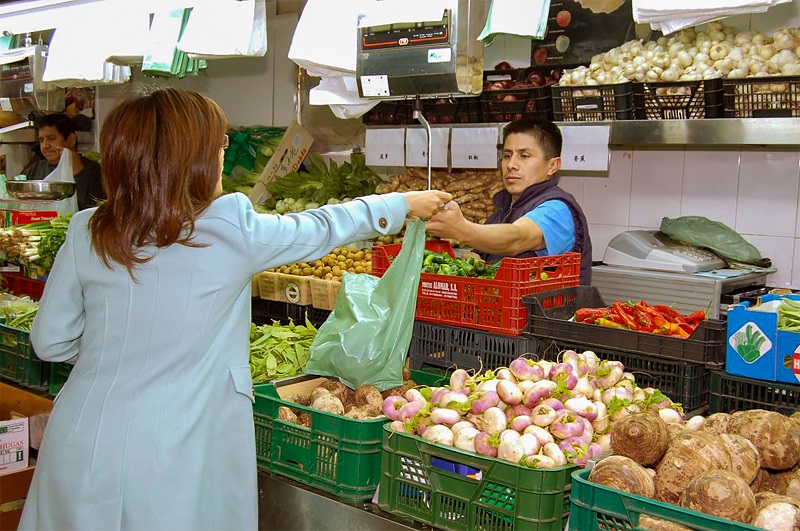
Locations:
{"points": [[533, 196]]}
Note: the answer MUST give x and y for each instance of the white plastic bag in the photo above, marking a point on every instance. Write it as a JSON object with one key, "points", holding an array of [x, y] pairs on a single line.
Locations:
{"points": [[238, 30], [63, 173]]}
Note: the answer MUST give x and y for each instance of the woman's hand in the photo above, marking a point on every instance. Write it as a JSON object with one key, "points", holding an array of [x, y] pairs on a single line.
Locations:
{"points": [[426, 203]]}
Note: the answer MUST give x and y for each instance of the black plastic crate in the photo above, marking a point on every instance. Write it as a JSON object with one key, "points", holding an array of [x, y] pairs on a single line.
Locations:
{"points": [[685, 383], [453, 346], [549, 313], [762, 97], [511, 104], [729, 393], [317, 316], [266, 311], [398, 112], [460, 110], [592, 103], [678, 100]]}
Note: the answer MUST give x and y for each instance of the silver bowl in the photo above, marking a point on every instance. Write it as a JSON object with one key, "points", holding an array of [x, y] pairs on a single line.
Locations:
{"points": [[41, 190]]}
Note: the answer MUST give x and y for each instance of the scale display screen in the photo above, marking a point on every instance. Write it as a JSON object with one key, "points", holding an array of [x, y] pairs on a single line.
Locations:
{"points": [[407, 34]]}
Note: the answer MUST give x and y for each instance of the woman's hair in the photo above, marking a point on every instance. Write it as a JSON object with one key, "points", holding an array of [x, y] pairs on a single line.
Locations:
{"points": [[160, 151]]}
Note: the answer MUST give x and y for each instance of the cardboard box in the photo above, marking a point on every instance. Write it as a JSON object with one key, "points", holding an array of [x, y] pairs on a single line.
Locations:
{"points": [[324, 292], [9, 218], [287, 158], [23, 416], [778, 355], [285, 288]]}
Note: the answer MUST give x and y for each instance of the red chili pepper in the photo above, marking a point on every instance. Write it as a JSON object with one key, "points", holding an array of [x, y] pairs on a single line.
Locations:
{"points": [[660, 322], [628, 319], [667, 311], [696, 316], [686, 327], [590, 313]]}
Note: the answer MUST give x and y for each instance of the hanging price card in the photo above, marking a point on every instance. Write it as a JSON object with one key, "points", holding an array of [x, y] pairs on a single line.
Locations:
{"points": [[474, 147], [585, 147], [417, 147], [385, 147]]}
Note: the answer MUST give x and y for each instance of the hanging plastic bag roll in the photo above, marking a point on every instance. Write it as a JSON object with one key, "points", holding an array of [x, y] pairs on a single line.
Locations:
{"points": [[366, 338]]}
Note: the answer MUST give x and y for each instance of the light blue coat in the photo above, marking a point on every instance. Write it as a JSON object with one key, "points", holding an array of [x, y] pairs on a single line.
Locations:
{"points": [[154, 428]]}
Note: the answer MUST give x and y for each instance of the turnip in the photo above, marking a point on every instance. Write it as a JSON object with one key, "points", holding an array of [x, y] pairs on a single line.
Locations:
{"points": [[745, 460], [541, 434], [639, 395], [583, 407], [439, 434], [591, 360], [546, 366], [458, 380], [519, 423], [584, 454], [392, 406], [543, 415], [422, 424], [524, 385], [488, 385], [624, 383], [454, 400], [604, 441], [552, 451], [602, 423], [465, 439], [509, 435], [564, 375], [414, 395], [585, 387], [670, 416], [506, 374], [509, 392], [530, 444], [623, 473], [717, 423], [540, 390], [588, 431], [691, 453], [511, 451], [630, 409], [620, 393], [526, 369], [486, 444], [720, 493], [577, 361], [410, 409], [537, 461], [695, 423], [458, 426], [398, 425], [608, 373], [517, 411], [642, 437], [566, 425], [776, 436], [492, 421], [481, 401], [445, 416], [554, 403]]}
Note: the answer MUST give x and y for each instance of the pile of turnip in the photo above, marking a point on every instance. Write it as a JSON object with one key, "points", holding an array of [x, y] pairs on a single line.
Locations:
{"points": [[539, 414], [743, 466]]}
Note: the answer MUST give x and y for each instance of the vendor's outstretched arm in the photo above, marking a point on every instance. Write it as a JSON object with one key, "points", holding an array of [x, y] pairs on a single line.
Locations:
{"points": [[502, 238]]}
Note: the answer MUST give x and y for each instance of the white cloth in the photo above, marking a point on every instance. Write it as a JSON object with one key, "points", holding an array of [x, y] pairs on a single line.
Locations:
{"points": [[675, 15], [527, 18]]}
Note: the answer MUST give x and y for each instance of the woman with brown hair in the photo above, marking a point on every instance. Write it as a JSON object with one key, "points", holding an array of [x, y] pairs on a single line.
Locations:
{"points": [[150, 297]]}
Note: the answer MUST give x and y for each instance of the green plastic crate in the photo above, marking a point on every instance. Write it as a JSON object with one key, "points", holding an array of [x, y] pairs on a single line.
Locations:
{"points": [[59, 372], [597, 507], [507, 497], [337, 455], [18, 361]]}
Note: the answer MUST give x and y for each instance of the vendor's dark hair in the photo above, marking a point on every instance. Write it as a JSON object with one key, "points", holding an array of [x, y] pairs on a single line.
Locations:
{"points": [[61, 122], [160, 149], [546, 133]]}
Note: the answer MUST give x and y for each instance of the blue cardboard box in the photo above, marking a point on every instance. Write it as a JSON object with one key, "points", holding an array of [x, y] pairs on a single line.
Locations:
{"points": [[756, 348]]}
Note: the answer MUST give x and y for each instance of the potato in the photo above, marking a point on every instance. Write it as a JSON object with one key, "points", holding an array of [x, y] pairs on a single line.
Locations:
{"points": [[284, 413], [316, 393], [304, 419], [329, 404], [368, 395], [297, 399]]}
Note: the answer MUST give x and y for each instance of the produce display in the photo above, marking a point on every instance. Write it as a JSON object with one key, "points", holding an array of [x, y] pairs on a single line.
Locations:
{"points": [[743, 466], [279, 351], [18, 312], [37, 242], [333, 265], [444, 264], [472, 190], [248, 153], [320, 184], [719, 51], [52, 241], [538, 414], [642, 317]]}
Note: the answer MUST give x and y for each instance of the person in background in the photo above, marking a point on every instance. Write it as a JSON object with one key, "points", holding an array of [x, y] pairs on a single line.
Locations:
{"points": [[534, 216], [56, 133], [150, 298]]}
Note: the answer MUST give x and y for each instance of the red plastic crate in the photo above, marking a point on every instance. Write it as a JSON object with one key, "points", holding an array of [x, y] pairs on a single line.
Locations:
{"points": [[492, 305], [19, 284]]}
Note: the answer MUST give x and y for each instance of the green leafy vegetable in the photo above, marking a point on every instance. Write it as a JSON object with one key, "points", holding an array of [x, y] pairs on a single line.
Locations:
{"points": [[279, 351], [748, 343], [52, 241]]}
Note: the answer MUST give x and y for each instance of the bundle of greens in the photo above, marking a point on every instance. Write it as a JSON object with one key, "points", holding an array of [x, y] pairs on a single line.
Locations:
{"points": [[51, 241], [278, 351]]}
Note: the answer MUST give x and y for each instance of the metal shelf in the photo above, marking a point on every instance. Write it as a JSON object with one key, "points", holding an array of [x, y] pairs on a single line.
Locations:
{"points": [[25, 133], [722, 132]]}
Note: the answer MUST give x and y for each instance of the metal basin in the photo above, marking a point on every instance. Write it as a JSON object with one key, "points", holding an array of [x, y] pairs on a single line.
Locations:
{"points": [[42, 190]]}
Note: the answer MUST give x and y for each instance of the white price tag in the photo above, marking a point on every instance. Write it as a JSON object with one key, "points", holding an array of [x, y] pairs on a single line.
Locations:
{"points": [[417, 147], [5, 104], [474, 147], [585, 147], [385, 147], [374, 86]]}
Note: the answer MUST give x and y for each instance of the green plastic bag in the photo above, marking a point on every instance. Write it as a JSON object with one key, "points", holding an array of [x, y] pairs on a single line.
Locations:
{"points": [[718, 237], [366, 337]]}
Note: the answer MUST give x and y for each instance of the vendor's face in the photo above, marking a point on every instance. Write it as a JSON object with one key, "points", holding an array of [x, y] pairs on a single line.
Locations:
{"points": [[524, 163], [52, 143]]}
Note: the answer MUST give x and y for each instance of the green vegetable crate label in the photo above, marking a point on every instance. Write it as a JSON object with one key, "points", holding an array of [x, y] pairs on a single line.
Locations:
{"points": [[750, 342]]}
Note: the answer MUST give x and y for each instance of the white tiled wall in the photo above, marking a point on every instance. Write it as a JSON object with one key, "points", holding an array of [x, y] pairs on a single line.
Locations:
{"points": [[754, 191]]}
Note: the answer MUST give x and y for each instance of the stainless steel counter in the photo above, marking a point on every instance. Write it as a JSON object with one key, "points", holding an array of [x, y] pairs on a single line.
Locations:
{"points": [[287, 506]]}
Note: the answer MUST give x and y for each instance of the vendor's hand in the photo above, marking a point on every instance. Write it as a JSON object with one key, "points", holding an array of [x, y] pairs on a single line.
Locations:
{"points": [[426, 203], [448, 222]]}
